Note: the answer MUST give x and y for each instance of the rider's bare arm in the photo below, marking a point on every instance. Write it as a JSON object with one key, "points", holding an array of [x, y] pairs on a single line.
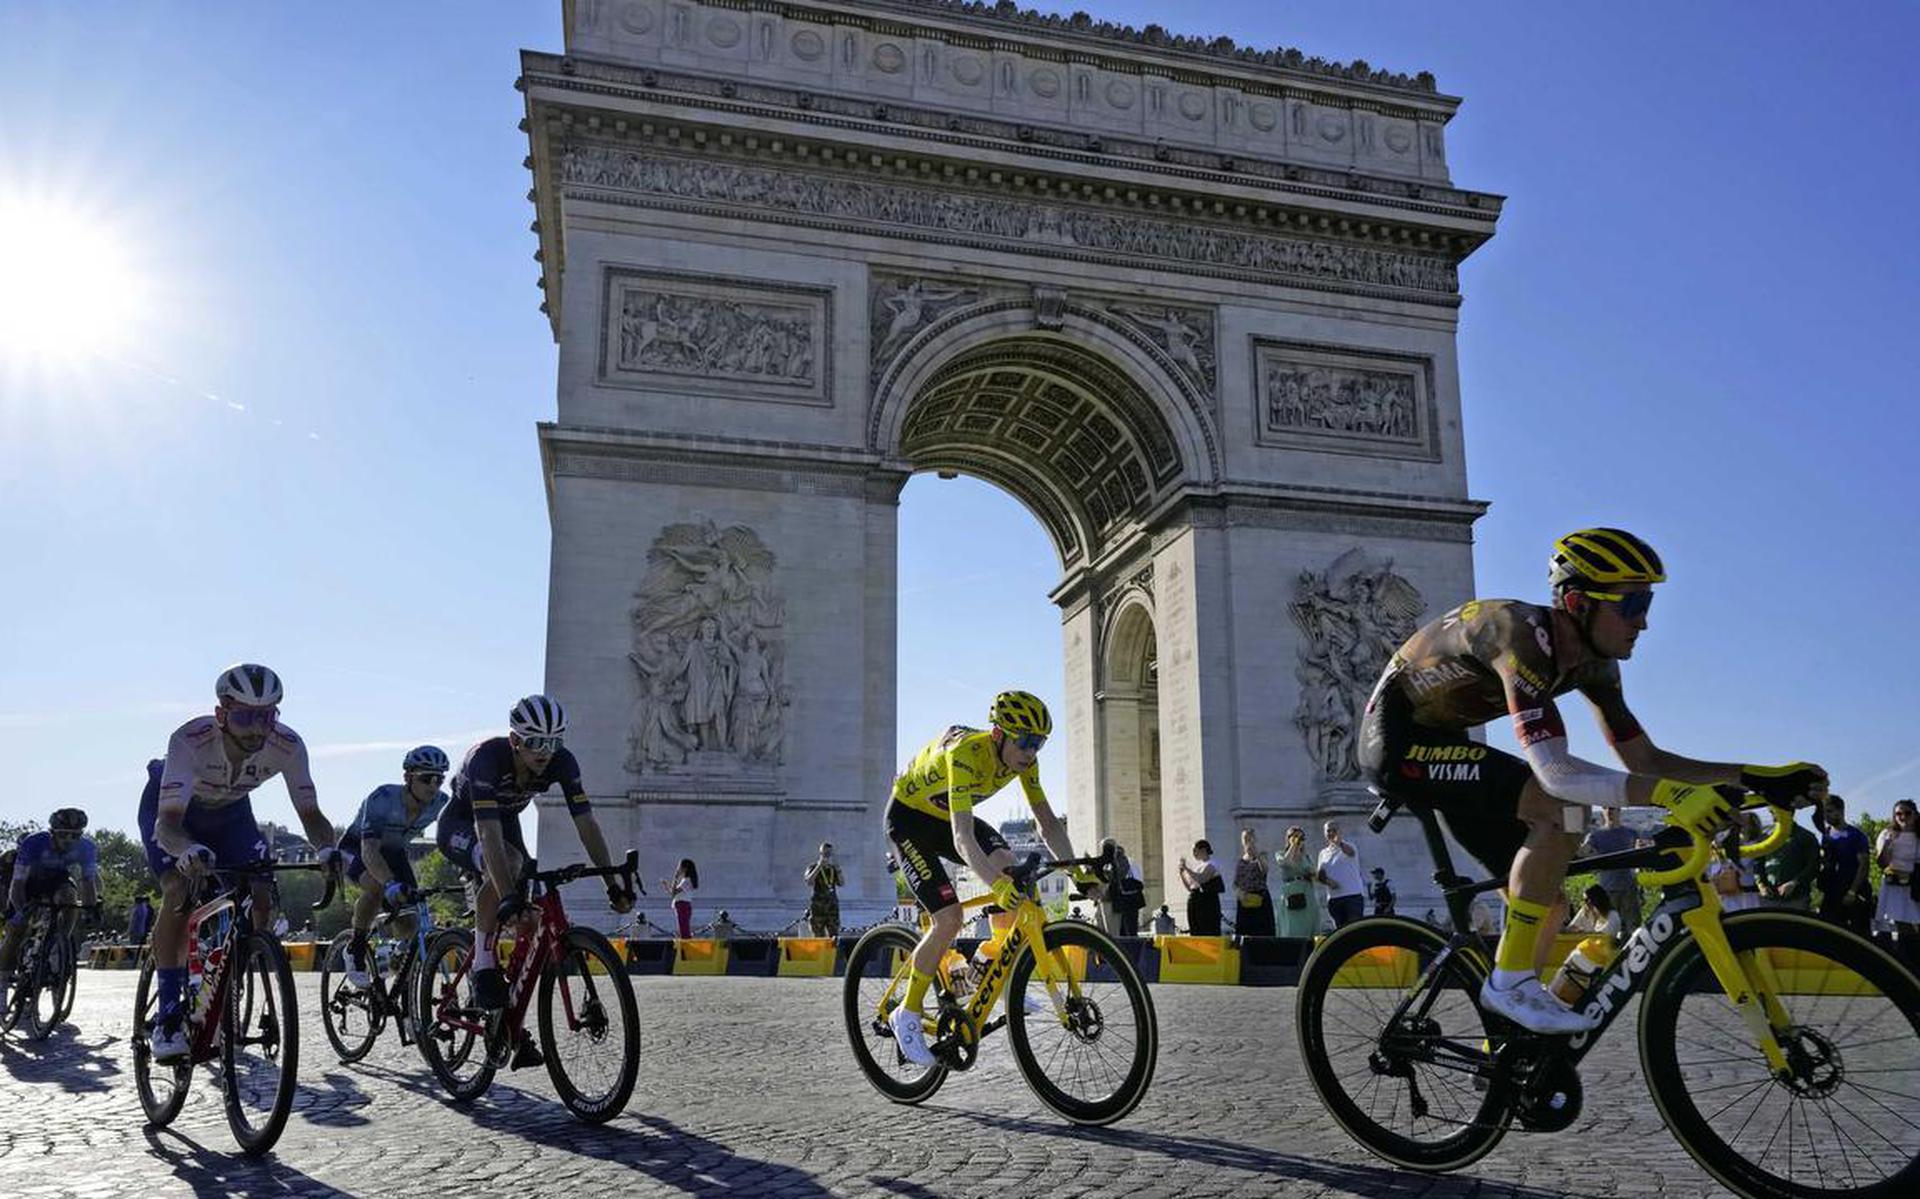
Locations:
{"points": [[1636, 750], [592, 838], [306, 801], [1543, 739]]}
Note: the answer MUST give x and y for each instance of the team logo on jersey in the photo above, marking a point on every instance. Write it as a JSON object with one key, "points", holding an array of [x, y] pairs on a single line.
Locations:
{"points": [[1446, 753], [1430, 677]]}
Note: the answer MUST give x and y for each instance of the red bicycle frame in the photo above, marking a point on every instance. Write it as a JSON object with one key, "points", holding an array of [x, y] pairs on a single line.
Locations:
{"points": [[532, 955]]}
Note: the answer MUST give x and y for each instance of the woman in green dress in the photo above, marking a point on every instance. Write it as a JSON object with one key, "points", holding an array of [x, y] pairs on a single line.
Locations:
{"points": [[1297, 906]]}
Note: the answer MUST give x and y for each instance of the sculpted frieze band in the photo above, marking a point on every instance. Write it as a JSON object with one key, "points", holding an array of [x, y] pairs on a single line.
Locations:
{"points": [[707, 333], [1028, 224], [1315, 397]]}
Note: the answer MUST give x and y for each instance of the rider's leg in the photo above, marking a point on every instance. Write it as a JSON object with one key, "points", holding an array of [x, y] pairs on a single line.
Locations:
{"points": [[1535, 880], [942, 927], [170, 941]]}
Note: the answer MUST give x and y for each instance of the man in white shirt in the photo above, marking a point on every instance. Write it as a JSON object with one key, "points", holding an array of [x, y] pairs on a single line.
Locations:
{"points": [[1339, 873]]}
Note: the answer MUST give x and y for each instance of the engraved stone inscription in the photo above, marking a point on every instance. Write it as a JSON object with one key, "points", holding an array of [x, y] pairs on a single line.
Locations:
{"points": [[701, 333]]}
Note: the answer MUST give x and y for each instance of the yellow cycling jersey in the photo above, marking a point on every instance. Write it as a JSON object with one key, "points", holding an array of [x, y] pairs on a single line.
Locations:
{"points": [[957, 769]]}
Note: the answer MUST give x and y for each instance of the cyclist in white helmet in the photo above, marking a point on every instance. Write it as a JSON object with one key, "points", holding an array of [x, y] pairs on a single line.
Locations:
{"points": [[196, 815], [480, 829], [375, 848]]}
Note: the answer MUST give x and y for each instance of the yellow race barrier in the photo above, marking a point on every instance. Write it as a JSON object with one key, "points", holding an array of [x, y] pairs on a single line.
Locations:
{"points": [[700, 955], [807, 957], [1384, 967], [1210, 960]]}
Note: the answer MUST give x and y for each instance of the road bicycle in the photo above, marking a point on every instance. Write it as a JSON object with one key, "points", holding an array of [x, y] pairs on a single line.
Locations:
{"points": [[585, 996], [1782, 1052], [354, 1016], [242, 1018], [1081, 1022], [47, 974]]}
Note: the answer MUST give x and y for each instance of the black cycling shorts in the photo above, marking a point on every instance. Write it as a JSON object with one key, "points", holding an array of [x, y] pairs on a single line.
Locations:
{"points": [[1475, 787], [920, 840]]}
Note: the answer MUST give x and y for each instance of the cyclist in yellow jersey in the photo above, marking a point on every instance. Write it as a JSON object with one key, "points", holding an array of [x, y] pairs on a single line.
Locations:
{"points": [[930, 817]]}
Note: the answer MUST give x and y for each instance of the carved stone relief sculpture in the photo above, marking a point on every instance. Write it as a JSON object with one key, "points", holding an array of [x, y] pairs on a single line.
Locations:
{"points": [[1352, 617], [901, 307], [705, 333], [709, 653], [1314, 397], [1185, 335]]}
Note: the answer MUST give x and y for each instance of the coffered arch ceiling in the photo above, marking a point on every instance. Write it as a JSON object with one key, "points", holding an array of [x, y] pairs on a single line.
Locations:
{"points": [[1066, 433]]}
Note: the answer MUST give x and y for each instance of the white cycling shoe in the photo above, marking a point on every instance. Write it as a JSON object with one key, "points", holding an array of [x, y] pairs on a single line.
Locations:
{"points": [[1527, 1004], [910, 1036], [357, 976], [169, 1042]]}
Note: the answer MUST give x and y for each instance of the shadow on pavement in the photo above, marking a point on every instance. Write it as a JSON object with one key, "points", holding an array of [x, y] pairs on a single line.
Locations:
{"points": [[1363, 1178], [663, 1151], [335, 1104], [78, 1067], [225, 1173]]}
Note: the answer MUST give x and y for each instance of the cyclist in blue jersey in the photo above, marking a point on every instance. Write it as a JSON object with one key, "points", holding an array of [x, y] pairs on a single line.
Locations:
{"points": [[480, 830], [43, 871], [375, 848]]}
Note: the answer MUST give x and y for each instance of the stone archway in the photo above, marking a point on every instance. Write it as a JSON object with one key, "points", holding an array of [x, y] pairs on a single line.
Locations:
{"points": [[1129, 730], [1194, 306]]}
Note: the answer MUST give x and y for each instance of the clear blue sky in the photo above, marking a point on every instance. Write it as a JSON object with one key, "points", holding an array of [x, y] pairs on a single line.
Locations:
{"points": [[318, 449]]}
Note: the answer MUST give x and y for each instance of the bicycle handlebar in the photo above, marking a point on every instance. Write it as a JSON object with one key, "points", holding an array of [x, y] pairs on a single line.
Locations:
{"points": [[1701, 848], [266, 867], [626, 871], [1032, 868]]}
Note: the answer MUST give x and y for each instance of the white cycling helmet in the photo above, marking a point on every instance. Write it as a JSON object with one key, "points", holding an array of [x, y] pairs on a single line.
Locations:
{"points": [[430, 759], [249, 684], [538, 716]]}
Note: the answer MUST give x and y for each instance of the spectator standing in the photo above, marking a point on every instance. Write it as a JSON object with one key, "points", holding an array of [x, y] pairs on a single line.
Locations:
{"points": [[1128, 896], [280, 926], [1845, 896], [685, 881], [1597, 915], [1339, 873], [1204, 889], [1615, 836], [1298, 914], [826, 878], [724, 929], [1381, 893], [1786, 876], [1163, 925], [1253, 902], [1898, 852], [140, 921], [1738, 880]]}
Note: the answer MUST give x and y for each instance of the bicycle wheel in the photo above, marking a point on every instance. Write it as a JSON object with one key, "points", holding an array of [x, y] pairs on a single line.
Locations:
{"points": [[163, 1089], [1394, 1050], [43, 985], [69, 975], [259, 1041], [1090, 1051], [21, 1001], [590, 1027], [450, 1021], [876, 983], [352, 1015], [1843, 1119]]}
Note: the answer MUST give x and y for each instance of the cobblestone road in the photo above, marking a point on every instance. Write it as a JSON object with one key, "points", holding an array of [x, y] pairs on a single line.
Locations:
{"points": [[746, 1087]]}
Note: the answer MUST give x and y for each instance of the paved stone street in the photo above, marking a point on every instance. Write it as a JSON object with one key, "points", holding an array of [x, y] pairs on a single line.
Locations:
{"points": [[746, 1087]]}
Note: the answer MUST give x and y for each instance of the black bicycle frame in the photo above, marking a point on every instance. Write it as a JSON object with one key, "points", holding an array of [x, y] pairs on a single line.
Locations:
{"points": [[1609, 993]]}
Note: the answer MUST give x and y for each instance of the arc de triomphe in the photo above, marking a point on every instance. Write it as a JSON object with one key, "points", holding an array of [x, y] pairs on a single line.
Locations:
{"points": [[1194, 305]]}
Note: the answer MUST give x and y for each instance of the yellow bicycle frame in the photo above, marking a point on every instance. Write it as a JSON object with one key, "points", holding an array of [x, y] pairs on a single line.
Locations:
{"points": [[1747, 978], [1029, 929]]}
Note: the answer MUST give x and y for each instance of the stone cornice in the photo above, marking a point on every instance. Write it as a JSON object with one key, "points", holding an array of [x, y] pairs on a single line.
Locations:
{"points": [[798, 468], [1103, 150], [1154, 39]]}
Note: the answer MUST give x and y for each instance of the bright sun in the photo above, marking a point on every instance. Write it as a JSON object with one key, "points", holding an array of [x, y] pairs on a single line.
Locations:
{"points": [[68, 284]]}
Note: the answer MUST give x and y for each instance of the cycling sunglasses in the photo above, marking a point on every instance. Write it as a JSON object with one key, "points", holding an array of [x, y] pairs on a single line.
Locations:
{"points": [[540, 744], [250, 718], [1631, 605], [1030, 742], [431, 779]]}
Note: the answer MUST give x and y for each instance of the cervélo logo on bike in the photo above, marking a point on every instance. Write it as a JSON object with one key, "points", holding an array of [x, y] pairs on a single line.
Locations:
{"points": [[1640, 950]]}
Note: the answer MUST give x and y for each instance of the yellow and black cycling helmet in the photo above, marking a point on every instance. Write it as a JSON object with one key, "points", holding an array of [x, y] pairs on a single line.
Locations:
{"points": [[1599, 559], [1018, 713]]}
